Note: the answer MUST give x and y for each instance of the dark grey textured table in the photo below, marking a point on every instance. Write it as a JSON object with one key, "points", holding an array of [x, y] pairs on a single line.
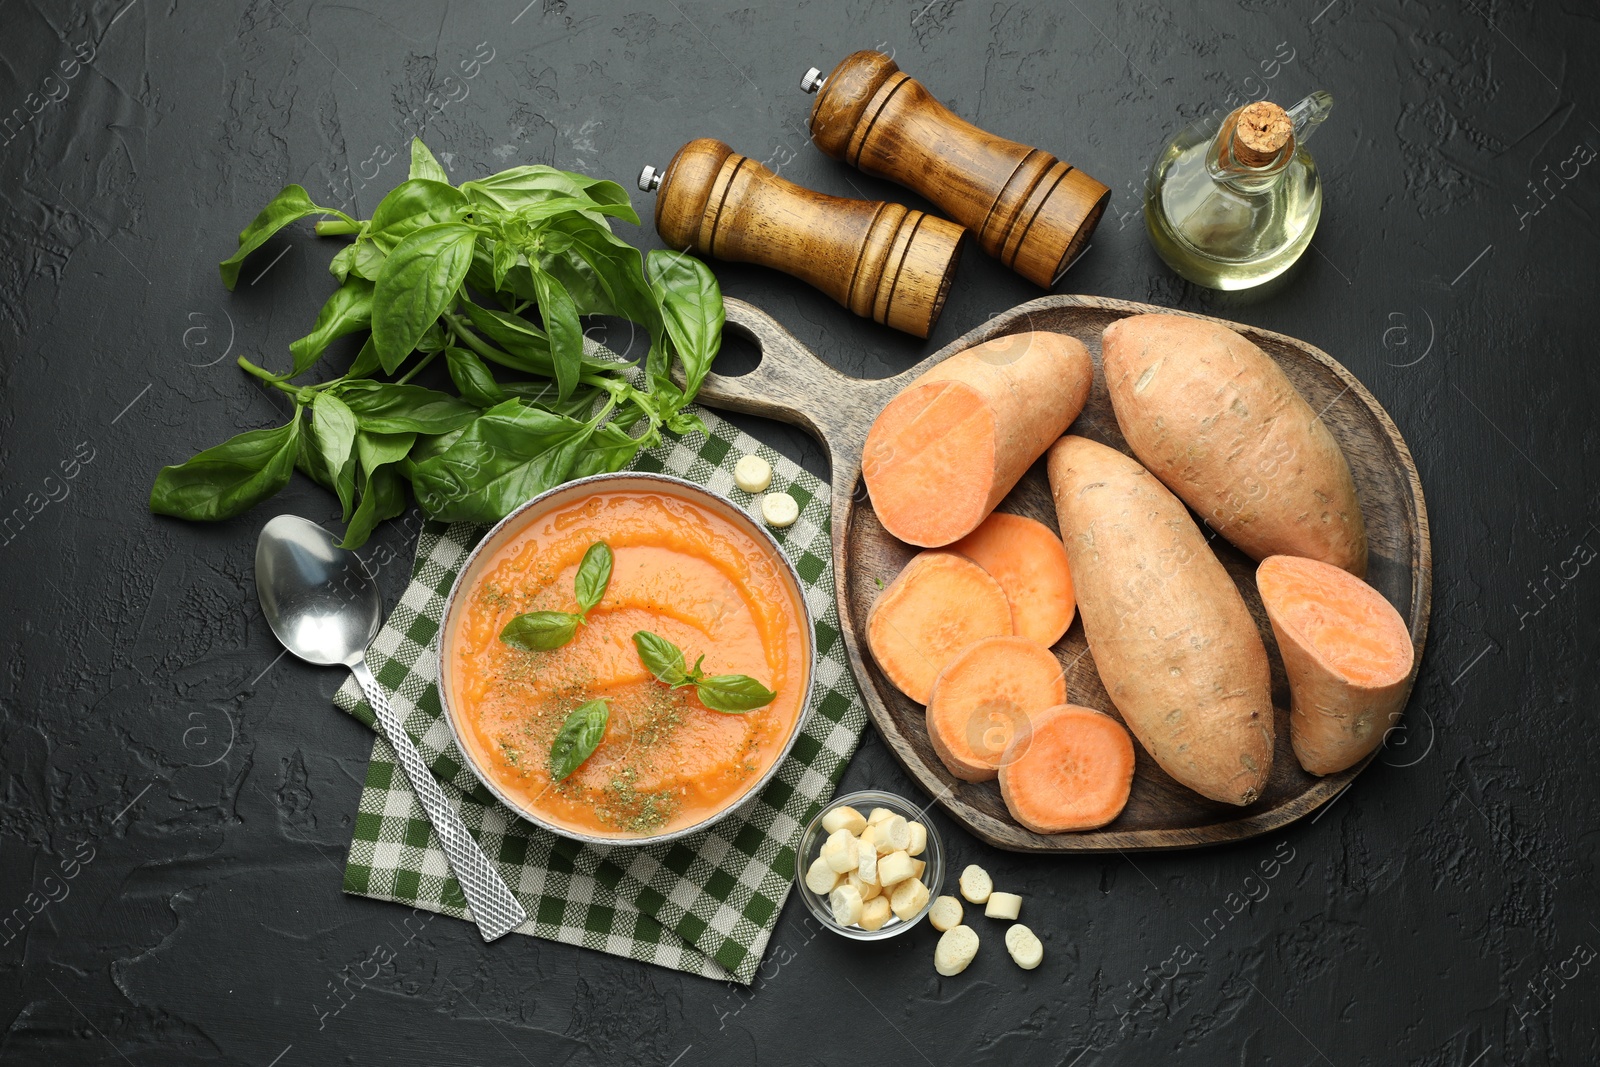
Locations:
{"points": [[177, 801]]}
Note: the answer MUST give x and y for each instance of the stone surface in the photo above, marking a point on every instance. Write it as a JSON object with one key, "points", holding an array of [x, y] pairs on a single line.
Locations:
{"points": [[177, 800]]}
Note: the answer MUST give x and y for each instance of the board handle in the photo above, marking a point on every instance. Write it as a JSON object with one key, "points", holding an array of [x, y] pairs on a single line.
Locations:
{"points": [[792, 385]]}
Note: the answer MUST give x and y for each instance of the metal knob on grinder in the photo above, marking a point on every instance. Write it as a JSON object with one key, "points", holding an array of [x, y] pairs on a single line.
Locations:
{"points": [[1026, 207], [883, 261]]}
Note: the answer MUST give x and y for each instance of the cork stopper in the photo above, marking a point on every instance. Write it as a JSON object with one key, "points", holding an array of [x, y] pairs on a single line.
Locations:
{"points": [[1260, 130]]}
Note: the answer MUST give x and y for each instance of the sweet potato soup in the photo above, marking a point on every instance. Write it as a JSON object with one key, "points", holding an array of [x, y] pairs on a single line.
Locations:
{"points": [[665, 761]]}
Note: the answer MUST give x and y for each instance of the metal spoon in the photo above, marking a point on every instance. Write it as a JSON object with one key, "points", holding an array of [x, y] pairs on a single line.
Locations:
{"points": [[323, 606]]}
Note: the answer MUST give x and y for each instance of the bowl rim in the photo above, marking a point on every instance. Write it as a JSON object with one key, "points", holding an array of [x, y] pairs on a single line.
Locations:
{"points": [[519, 518], [816, 903]]}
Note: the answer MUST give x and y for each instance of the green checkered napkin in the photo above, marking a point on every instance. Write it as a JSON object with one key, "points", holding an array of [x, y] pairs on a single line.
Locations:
{"points": [[705, 904]]}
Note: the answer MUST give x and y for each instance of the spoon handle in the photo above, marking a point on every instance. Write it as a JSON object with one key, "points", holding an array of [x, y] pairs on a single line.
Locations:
{"points": [[493, 906]]}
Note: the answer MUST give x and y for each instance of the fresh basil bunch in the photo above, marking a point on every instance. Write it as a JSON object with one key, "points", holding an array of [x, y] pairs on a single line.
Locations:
{"points": [[451, 270]]}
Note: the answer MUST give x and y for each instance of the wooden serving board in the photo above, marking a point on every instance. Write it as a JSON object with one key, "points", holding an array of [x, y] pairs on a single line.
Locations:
{"points": [[792, 385]]}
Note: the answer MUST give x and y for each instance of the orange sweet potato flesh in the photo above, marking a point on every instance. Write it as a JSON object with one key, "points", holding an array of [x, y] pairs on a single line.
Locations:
{"points": [[944, 452], [1348, 655], [1030, 563], [1071, 768], [939, 604], [983, 698], [1217, 420], [1172, 638]]}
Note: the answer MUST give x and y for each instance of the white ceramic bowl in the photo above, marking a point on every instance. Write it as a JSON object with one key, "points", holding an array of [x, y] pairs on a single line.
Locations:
{"points": [[519, 520]]}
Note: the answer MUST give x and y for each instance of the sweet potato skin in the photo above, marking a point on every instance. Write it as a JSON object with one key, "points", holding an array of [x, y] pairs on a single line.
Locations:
{"points": [[1172, 638], [1217, 420], [1335, 722], [1033, 384]]}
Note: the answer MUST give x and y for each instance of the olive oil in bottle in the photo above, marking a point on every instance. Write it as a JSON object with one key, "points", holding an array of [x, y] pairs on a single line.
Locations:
{"points": [[1237, 206]]}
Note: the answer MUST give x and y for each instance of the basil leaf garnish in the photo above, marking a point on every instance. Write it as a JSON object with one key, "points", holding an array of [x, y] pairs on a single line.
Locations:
{"points": [[733, 694], [578, 737], [594, 574], [661, 658], [541, 631]]}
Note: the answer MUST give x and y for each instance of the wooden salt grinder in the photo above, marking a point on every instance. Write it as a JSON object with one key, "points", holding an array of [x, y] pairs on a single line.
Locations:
{"points": [[1027, 208], [883, 261]]}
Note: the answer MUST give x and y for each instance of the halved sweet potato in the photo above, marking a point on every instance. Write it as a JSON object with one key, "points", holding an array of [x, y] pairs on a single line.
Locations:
{"points": [[1348, 655], [943, 453]]}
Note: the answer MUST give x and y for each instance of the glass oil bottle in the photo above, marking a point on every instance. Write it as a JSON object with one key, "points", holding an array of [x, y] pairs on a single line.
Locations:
{"points": [[1234, 208]]}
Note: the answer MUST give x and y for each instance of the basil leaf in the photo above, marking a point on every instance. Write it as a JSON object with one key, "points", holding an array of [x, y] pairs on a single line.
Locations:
{"points": [[691, 309], [594, 575], [423, 165], [661, 657], [413, 205], [349, 309], [522, 186], [228, 478], [472, 378], [434, 338], [609, 449], [578, 737], [366, 361], [566, 332], [604, 273], [505, 257], [508, 455], [733, 694], [290, 205], [388, 407], [540, 631], [525, 347], [383, 491], [383, 496], [379, 449], [333, 432], [361, 259], [418, 283], [561, 205]]}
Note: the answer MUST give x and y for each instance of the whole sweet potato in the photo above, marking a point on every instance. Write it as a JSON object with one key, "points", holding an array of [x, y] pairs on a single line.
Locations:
{"points": [[1175, 645], [1216, 419]]}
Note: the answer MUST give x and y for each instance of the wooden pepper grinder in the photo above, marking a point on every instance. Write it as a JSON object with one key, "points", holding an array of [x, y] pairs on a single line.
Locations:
{"points": [[1027, 208], [883, 261]]}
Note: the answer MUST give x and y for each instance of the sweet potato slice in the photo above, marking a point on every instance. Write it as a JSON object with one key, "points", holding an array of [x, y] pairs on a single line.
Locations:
{"points": [[984, 696], [1070, 768], [1030, 563], [1348, 656], [943, 453], [1215, 418], [938, 605], [1172, 638]]}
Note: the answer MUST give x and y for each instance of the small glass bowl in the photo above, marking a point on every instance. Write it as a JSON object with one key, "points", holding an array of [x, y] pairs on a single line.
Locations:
{"points": [[811, 844]]}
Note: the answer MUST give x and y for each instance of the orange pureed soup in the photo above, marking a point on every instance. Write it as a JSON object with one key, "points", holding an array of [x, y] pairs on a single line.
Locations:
{"points": [[666, 761]]}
